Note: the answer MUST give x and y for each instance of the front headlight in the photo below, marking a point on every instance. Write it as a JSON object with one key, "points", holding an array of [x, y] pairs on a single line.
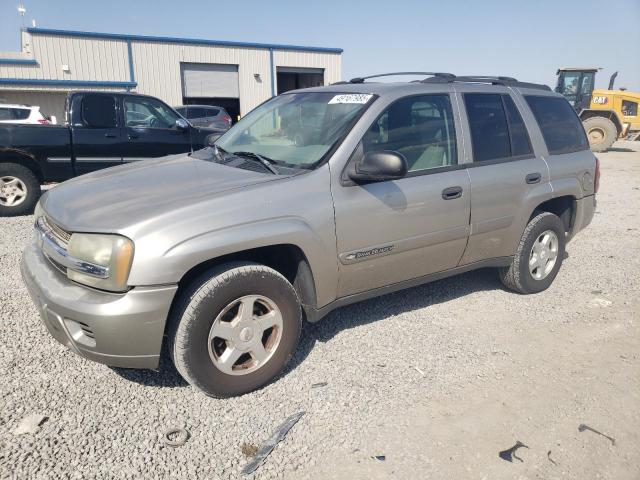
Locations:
{"points": [[113, 252]]}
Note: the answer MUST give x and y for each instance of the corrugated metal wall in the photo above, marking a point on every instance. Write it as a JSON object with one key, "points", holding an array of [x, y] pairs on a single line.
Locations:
{"points": [[157, 69], [156, 65], [87, 58]]}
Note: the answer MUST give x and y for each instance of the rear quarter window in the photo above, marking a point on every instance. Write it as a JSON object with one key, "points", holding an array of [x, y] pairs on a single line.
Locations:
{"points": [[561, 128]]}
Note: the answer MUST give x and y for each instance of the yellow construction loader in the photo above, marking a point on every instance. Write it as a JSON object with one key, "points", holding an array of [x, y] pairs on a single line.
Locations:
{"points": [[607, 115]]}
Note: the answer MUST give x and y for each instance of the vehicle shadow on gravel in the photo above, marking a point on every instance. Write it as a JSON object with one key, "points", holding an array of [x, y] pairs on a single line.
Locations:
{"points": [[344, 318], [379, 308], [166, 376]]}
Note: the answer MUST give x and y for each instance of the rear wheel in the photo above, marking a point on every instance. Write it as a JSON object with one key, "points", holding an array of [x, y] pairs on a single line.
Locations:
{"points": [[601, 133], [19, 190], [538, 257], [235, 328]]}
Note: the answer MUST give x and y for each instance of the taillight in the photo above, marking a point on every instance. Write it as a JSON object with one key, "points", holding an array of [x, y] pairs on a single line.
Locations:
{"points": [[43, 121], [596, 180], [227, 119]]}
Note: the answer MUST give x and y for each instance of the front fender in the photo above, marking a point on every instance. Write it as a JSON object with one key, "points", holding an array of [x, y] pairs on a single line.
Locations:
{"points": [[175, 262]]}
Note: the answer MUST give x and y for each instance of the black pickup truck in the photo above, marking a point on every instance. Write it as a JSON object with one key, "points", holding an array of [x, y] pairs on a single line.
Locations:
{"points": [[101, 130]]}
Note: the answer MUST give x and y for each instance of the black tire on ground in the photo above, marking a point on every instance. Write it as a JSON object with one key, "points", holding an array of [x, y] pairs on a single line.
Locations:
{"points": [[601, 133], [517, 276], [28, 180], [200, 304]]}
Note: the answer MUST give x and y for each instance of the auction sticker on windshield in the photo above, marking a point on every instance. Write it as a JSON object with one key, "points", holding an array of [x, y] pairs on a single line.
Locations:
{"points": [[351, 98]]}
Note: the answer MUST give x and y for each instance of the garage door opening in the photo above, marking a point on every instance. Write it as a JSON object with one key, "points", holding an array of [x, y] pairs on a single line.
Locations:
{"points": [[292, 78], [231, 105], [211, 84]]}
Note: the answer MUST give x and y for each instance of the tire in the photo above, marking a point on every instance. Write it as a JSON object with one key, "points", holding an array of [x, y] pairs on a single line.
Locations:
{"points": [[204, 303], [518, 276], [601, 133], [15, 179]]}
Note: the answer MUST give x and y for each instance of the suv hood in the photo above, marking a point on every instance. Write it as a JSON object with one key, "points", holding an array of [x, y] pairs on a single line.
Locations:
{"points": [[113, 199]]}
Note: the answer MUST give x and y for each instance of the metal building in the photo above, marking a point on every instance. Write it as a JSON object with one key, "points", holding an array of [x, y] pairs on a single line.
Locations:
{"points": [[235, 75]]}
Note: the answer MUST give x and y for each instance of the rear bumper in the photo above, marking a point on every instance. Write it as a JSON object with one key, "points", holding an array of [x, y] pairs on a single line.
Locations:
{"points": [[585, 210], [120, 330]]}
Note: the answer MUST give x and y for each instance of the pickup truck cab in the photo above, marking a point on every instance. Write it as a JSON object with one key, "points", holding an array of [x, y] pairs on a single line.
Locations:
{"points": [[316, 199], [102, 130]]}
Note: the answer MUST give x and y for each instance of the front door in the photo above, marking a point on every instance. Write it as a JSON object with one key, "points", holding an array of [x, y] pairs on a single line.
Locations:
{"points": [[150, 129], [97, 137], [398, 230]]}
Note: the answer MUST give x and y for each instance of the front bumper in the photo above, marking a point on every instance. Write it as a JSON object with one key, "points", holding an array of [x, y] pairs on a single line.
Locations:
{"points": [[120, 330]]}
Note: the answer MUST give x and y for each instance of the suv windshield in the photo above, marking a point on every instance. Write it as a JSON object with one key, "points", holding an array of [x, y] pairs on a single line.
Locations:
{"points": [[296, 129]]}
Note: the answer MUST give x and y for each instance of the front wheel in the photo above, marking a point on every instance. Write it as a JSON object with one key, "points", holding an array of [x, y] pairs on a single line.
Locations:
{"points": [[19, 190], [601, 132], [538, 257], [235, 328]]}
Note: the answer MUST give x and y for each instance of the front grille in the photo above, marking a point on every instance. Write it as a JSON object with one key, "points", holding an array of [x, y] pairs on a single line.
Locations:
{"points": [[58, 232], [60, 267]]}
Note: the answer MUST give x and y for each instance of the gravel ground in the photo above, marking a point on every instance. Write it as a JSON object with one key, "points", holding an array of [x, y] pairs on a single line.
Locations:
{"points": [[437, 379]]}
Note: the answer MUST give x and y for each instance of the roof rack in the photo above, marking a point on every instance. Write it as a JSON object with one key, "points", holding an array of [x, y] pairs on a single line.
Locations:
{"points": [[393, 74], [442, 77], [497, 80]]}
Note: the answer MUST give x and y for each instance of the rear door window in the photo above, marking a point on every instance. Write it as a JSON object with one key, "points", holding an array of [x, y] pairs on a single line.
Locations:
{"points": [[488, 124], [561, 128], [197, 112], [5, 114], [520, 143], [497, 129], [99, 111]]}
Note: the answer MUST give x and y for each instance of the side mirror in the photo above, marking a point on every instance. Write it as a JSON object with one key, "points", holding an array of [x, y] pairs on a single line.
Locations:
{"points": [[182, 124], [379, 166]]}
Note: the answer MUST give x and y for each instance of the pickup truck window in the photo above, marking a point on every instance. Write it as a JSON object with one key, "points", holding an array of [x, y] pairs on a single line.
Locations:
{"points": [[148, 113], [296, 129], [99, 111], [420, 128]]}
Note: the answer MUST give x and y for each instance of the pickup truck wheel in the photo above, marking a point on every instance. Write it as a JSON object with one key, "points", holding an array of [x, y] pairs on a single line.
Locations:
{"points": [[235, 328], [19, 190], [538, 257]]}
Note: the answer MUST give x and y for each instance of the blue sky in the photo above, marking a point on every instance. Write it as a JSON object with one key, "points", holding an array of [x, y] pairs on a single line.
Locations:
{"points": [[524, 39]]}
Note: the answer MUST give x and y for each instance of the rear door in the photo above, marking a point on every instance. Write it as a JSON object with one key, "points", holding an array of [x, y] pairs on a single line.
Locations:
{"points": [[150, 129], [507, 174], [392, 231], [96, 133]]}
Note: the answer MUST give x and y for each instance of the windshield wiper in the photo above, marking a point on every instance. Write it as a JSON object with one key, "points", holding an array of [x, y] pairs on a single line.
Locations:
{"points": [[266, 161]]}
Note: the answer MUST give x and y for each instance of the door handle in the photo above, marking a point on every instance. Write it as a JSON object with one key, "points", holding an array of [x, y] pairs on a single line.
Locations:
{"points": [[110, 135], [533, 178], [133, 137], [451, 193]]}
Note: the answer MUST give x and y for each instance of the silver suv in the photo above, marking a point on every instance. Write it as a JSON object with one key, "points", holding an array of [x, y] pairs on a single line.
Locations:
{"points": [[316, 199]]}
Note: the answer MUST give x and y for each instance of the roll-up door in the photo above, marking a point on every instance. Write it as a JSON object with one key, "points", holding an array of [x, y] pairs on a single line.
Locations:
{"points": [[209, 80]]}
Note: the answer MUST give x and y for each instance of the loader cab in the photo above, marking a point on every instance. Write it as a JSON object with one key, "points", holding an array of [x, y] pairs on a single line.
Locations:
{"points": [[576, 84]]}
